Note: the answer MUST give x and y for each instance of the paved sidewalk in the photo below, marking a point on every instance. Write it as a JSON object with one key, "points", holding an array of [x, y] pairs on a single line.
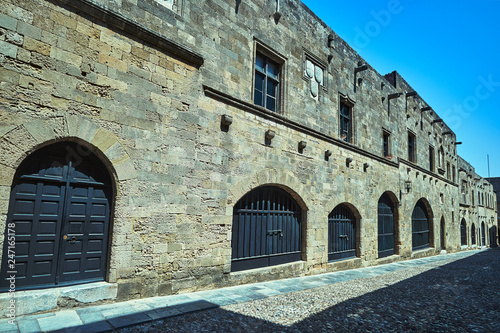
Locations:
{"points": [[106, 318]]}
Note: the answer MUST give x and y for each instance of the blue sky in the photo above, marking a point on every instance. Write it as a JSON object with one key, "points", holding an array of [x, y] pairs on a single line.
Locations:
{"points": [[448, 51]]}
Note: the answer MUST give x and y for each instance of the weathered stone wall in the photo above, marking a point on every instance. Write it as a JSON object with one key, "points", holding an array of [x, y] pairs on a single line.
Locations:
{"points": [[145, 85], [477, 206]]}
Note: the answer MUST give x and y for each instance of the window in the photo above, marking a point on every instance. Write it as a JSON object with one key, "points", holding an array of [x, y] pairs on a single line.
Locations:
{"points": [[454, 174], [267, 83], [411, 147], [441, 158], [345, 122], [432, 159], [386, 144], [448, 173], [473, 198]]}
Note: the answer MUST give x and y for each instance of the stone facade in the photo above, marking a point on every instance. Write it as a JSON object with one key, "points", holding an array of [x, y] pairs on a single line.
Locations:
{"points": [[163, 93]]}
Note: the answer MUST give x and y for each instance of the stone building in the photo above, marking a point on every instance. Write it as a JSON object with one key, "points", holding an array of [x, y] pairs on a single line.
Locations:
{"points": [[495, 182], [155, 147]]}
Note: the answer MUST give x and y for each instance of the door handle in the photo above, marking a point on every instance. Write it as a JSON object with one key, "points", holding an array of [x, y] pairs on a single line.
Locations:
{"points": [[72, 240]]}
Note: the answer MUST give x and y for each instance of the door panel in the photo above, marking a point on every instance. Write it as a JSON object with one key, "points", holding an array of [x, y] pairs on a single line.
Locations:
{"points": [[61, 210]]}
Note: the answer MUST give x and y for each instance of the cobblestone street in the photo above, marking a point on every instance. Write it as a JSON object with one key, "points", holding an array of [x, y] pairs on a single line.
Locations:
{"points": [[452, 295]]}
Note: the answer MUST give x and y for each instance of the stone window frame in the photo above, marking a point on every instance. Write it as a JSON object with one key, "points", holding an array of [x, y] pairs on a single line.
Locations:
{"points": [[432, 158], [268, 52], [318, 63], [177, 5], [412, 151], [386, 133], [349, 102]]}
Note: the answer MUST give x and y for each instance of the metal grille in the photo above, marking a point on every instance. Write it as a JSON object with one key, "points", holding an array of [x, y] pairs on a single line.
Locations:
{"points": [[341, 233], [463, 233], [483, 235], [266, 229], [385, 226], [420, 226]]}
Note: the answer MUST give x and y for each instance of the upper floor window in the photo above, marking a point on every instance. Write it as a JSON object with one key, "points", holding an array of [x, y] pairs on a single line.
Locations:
{"points": [[386, 144], [432, 159], [448, 172], [267, 82], [454, 173], [345, 122], [441, 157], [411, 147]]}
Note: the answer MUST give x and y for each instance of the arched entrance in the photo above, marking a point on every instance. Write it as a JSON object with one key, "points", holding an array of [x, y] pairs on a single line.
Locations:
{"points": [[386, 226], [463, 233], [266, 229], [483, 235], [443, 234], [473, 234], [421, 227], [59, 210], [342, 233]]}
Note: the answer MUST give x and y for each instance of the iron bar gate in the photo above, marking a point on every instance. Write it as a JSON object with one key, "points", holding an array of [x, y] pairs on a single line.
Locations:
{"points": [[266, 229], [341, 233]]}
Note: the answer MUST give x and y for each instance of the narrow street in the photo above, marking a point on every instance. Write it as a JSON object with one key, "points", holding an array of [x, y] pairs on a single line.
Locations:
{"points": [[452, 295]]}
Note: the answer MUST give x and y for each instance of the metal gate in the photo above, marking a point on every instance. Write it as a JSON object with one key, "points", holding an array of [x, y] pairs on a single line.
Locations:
{"points": [[473, 234], [483, 235], [385, 226], [60, 211], [420, 227], [266, 229], [463, 233], [341, 233]]}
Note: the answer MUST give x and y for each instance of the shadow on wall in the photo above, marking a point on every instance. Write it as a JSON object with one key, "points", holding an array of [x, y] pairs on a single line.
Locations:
{"points": [[462, 296]]}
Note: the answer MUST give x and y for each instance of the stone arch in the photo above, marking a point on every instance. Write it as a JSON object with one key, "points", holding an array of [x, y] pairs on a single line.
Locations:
{"points": [[17, 142], [62, 188], [442, 233], [424, 203], [332, 219], [463, 232], [387, 221], [270, 177]]}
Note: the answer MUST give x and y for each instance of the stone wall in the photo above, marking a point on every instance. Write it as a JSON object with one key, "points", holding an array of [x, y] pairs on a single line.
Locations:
{"points": [[145, 85]]}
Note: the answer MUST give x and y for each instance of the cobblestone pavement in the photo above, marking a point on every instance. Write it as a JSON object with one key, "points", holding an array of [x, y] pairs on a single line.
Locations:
{"points": [[459, 294]]}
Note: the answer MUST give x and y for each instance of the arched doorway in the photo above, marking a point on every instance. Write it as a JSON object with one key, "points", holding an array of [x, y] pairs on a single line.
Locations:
{"points": [[59, 209], [443, 234], [267, 229], [463, 233], [386, 226], [473, 234], [342, 233], [483, 235], [421, 227]]}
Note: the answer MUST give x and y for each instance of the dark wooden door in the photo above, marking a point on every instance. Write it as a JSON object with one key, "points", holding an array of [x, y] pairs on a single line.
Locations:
{"points": [[60, 207]]}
